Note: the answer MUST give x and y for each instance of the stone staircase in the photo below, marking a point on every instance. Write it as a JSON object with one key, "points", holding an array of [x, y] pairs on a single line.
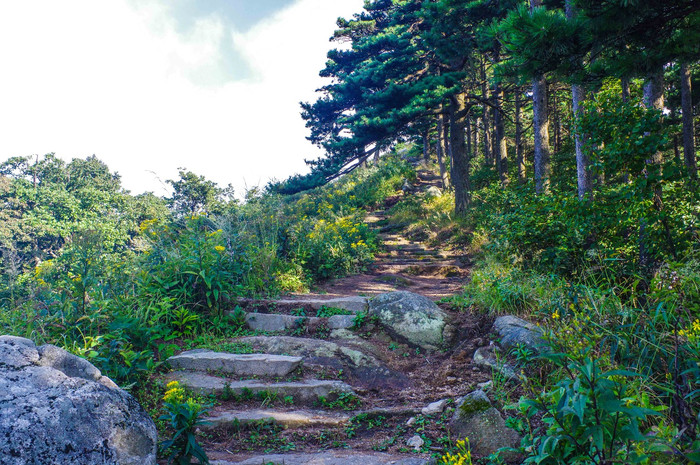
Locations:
{"points": [[326, 379]]}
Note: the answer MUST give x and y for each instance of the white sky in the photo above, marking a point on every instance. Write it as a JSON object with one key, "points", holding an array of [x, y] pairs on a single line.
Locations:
{"points": [[120, 79]]}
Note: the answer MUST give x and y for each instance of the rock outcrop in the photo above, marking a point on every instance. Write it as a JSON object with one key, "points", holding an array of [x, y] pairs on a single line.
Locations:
{"points": [[57, 409], [412, 318]]}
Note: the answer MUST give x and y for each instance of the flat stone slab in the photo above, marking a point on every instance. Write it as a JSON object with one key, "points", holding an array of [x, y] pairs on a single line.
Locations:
{"points": [[273, 322], [293, 419], [353, 304], [328, 458], [303, 392], [238, 364], [363, 370]]}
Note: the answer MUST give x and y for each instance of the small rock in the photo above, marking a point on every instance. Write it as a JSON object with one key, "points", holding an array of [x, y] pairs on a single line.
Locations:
{"points": [[435, 407], [411, 421], [514, 331], [487, 386], [485, 357], [416, 442], [433, 191]]}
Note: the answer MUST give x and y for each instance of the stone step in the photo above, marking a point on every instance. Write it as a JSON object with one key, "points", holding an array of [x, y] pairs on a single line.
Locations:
{"points": [[237, 364], [303, 392], [353, 304], [272, 322], [328, 458], [292, 419]]}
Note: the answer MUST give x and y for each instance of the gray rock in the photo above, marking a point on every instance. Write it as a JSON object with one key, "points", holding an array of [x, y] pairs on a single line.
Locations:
{"points": [[238, 364], [485, 357], [273, 323], [361, 369], [328, 458], [476, 419], [56, 409], [411, 421], [433, 191], [413, 319], [341, 321], [514, 331], [435, 407], [303, 392], [416, 442]]}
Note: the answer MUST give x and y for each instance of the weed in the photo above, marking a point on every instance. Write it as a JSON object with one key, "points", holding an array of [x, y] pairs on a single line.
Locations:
{"points": [[326, 312], [343, 401]]}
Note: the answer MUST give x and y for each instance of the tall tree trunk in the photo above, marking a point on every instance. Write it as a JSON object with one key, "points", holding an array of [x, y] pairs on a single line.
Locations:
{"points": [[500, 141], [625, 82], [653, 98], [557, 122], [519, 152], [441, 150], [460, 157], [583, 165], [426, 146], [485, 120], [376, 154], [540, 126], [578, 96], [688, 133]]}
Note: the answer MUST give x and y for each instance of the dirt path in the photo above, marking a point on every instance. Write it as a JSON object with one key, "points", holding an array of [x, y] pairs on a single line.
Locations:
{"points": [[403, 264]]}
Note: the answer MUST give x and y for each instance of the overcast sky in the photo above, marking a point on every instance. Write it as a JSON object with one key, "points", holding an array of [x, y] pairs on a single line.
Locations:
{"points": [[153, 85]]}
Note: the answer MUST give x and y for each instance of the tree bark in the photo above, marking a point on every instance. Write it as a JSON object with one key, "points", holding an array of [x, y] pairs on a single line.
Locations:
{"points": [[441, 150], [426, 147], [485, 120], [500, 141], [519, 153], [583, 165], [460, 157], [688, 132], [540, 125], [625, 90]]}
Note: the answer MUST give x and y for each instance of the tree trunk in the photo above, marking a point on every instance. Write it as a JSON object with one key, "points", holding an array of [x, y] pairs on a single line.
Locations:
{"points": [[501, 145], [583, 165], [653, 98], [441, 150], [485, 120], [426, 147], [688, 133], [519, 153], [540, 125], [625, 90], [460, 157], [376, 154]]}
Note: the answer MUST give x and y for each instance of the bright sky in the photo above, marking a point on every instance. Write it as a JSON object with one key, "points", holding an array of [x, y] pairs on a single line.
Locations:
{"points": [[153, 85]]}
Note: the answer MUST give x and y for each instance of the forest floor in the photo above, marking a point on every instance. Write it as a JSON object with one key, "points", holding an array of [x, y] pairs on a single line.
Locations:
{"points": [[374, 424]]}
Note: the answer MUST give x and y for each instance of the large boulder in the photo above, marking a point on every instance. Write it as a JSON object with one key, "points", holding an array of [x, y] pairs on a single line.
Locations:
{"points": [[514, 331], [57, 409], [475, 418], [413, 319]]}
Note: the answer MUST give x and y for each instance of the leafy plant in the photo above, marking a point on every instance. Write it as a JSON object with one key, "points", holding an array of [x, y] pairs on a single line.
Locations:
{"points": [[183, 415]]}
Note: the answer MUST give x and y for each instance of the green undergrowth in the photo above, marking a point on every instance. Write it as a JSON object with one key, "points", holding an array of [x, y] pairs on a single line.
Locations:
{"points": [[621, 380]]}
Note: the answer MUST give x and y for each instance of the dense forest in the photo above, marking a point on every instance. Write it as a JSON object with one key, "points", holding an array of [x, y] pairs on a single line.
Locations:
{"points": [[563, 137]]}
